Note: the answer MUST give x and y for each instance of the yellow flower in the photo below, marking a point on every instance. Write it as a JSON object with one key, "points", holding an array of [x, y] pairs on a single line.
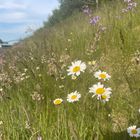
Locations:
{"points": [[58, 101], [89, 62], [92, 62]]}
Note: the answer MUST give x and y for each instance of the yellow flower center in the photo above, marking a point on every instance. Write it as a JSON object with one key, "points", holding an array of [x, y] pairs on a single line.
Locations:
{"points": [[73, 97], [103, 97], [100, 91], [134, 131], [76, 69], [57, 102], [103, 76]]}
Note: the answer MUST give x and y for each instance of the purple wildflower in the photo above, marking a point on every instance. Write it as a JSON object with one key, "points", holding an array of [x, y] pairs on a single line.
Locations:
{"points": [[130, 6], [87, 10], [133, 4], [94, 20]]}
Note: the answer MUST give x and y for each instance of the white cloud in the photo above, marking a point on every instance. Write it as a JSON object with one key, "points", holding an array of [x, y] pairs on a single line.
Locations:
{"points": [[11, 17], [12, 5], [11, 11]]}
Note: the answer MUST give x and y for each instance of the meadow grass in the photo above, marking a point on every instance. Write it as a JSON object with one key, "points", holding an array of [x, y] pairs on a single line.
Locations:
{"points": [[34, 73]]}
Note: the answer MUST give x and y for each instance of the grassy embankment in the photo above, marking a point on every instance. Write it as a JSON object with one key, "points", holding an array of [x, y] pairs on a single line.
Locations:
{"points": [[40, 67]]}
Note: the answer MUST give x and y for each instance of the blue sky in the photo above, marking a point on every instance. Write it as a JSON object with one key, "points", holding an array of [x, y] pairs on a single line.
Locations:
{"points": [[18, 18]]}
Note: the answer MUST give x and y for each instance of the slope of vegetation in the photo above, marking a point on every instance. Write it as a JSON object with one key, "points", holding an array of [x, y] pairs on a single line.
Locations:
{"points": [[35, 74]]}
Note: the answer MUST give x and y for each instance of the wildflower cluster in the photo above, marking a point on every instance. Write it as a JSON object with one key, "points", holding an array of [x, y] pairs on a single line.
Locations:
{"points": [[94, 20], [101, 29], [136, 57], [130, 6], [37, 97], [19, 76], [72, 97], [52, 68], [5, 80], [27, 125], [43, 59], [99, 90], [92, 66], [64, 58], [87, 10], [74, 70]]}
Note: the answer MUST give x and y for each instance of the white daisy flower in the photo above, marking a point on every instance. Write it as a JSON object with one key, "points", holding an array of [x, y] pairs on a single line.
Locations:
{"points": [[133, 131], [104, 97], [99, 90], [102, 75], [139, 110], [73, 97], [58, 101], [76, 68]]}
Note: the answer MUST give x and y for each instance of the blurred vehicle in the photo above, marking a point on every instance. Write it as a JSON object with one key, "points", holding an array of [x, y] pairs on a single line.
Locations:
{"points": [[4, 44]]}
